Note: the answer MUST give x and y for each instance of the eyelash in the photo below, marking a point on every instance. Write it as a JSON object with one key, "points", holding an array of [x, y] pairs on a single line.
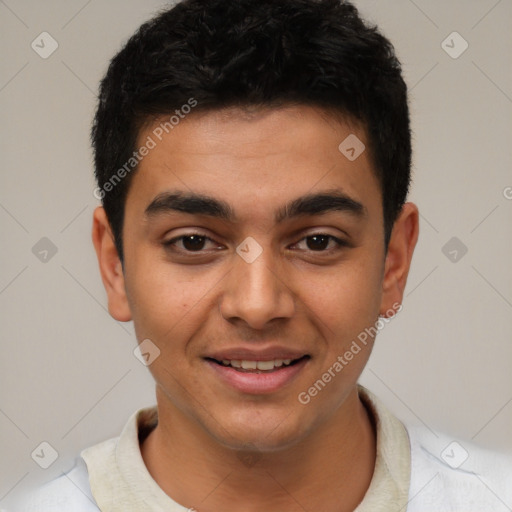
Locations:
{"points": [[170, 244]]}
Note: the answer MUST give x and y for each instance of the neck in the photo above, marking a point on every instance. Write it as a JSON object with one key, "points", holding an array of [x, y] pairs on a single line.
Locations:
{"points": [[330, 470]]}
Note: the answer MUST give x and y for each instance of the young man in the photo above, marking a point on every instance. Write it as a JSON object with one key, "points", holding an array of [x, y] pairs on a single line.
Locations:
{"points": [[253, 161]]}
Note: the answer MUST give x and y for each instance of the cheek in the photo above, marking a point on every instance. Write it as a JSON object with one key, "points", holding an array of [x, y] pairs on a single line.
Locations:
{"points": [[160, 299], [345, 300]]}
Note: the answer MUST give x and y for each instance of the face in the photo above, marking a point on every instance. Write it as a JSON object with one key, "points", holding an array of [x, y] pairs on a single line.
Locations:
{"points": [[254, 258]]}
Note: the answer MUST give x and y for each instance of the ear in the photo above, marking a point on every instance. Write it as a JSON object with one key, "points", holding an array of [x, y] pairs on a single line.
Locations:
{"points": [[398, 258], [110, 266]]}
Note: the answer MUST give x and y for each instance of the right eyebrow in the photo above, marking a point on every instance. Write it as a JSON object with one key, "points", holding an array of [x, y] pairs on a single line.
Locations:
{"points": [[194, 204]]}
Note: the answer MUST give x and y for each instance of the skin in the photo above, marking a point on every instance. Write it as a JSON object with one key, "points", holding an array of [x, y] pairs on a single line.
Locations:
{"points": [[256, 451]]}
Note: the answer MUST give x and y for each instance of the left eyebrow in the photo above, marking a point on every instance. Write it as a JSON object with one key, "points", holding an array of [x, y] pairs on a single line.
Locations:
{"points": [[308, 205], [318, 204]]}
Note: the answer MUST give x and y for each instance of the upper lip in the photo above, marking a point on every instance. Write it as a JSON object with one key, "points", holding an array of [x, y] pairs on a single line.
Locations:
{"points": [[243, 354]]}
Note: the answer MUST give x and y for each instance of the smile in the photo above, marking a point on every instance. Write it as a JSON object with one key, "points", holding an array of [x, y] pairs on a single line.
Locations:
{"points": [[256, 376], [246, 365]]}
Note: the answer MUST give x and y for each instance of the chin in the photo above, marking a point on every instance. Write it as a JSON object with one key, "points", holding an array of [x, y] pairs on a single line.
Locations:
{"points": [[265, 435]]}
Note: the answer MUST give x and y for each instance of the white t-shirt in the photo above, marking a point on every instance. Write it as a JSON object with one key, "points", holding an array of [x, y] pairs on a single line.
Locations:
{"points": [[415, 471]]}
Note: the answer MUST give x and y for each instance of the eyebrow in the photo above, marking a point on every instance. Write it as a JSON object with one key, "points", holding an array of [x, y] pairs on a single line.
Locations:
{"points": [[307, 205]]}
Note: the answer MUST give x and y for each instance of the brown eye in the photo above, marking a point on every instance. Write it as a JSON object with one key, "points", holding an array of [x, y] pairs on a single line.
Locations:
{"points": [[318, 242], [321, 243], [193, 242]]}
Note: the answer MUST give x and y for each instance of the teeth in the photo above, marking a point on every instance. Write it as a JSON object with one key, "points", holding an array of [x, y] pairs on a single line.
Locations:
{"points": [[265, 365], [256, 365], [249, 365]]}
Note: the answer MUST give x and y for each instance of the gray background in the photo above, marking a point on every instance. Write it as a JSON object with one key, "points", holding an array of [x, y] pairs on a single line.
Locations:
{"points": [[68, 373]]}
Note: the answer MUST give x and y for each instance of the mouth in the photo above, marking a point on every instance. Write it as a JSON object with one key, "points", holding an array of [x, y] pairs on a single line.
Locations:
{"points": [[257, 376], [251, 366]]}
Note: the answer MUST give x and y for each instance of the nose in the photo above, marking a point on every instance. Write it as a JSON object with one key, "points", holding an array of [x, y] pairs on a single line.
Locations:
{"points": [[256, 293]]}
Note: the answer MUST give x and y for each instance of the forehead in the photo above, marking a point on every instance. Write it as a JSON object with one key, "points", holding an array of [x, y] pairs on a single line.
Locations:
{"points": [[255, 159]]}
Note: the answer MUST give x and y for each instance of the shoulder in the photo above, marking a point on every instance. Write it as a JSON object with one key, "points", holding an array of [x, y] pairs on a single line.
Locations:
{"points": [[448, 475], [69, 492]]}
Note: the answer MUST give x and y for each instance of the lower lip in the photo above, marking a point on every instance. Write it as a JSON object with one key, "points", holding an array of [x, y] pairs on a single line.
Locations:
{"points": [[258, 383]]}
